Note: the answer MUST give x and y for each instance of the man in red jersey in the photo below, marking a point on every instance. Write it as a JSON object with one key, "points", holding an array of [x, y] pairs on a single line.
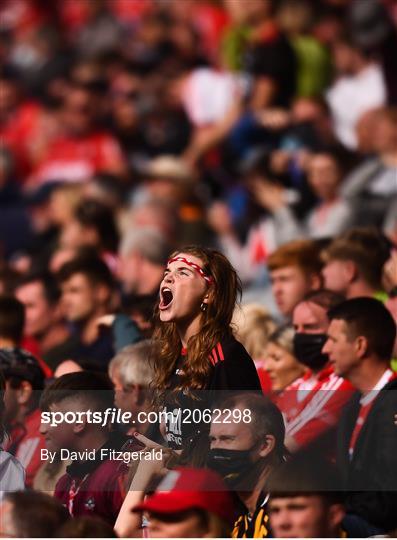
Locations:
{"points": [[82, 149], [93, 482], [313, 403]]}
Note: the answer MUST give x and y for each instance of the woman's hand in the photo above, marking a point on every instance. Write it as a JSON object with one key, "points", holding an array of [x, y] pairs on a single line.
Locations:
{"points": [[128, 523], [163, 459], [220, 220], [106, 320]]}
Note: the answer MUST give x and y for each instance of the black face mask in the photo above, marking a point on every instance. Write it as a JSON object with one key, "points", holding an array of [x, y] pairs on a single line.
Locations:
{"points": [[307, 349], [232, 465], [229, 463]]}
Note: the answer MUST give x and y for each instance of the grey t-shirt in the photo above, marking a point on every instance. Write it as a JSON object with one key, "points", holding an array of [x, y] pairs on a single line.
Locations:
{"points": [[12, 474]]}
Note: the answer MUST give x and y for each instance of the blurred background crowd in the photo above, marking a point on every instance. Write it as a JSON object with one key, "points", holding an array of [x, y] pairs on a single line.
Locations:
{"points": [[266, 129], [239, 124]]}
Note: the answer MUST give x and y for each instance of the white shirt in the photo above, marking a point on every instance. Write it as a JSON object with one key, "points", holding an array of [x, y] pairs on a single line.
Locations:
{"points": [[210, 94], [371, 395], [12, 474], [350, 97]]}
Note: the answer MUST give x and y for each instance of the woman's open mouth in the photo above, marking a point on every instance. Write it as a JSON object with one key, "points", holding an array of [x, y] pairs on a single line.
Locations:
{"points": [[166, 298]]}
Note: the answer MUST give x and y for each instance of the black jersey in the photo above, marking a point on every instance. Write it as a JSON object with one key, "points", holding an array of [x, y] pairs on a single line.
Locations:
{"points": [[232, 370]]}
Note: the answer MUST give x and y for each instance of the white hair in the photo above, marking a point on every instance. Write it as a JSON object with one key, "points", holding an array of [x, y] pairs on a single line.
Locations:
{"points": [[132, 364], [149, 242]]}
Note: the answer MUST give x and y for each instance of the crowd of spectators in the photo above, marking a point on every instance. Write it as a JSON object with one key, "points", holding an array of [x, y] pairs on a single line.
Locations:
{"points": [[157, 159]]}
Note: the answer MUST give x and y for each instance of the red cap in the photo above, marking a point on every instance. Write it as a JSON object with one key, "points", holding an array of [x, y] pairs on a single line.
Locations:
{"points": [[174, 494]]}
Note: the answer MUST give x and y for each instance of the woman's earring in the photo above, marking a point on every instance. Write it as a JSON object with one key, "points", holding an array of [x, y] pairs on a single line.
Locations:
{"points": [[203, 306]]}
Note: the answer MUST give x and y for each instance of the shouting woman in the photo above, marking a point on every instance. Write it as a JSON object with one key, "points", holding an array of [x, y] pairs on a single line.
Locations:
{"points": [[198, 353]]}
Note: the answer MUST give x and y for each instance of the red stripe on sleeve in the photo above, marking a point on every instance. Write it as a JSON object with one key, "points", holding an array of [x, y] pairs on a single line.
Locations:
{"points": [[214, 357]]}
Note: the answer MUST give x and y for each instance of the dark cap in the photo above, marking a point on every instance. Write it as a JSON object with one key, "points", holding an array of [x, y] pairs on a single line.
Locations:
{"points": [[18, 363]]}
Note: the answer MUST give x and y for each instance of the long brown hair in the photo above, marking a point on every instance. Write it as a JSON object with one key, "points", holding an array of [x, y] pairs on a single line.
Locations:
{"points": [[224, 292]]}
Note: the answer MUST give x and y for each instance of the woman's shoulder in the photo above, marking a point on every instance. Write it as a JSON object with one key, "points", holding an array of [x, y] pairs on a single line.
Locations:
{"points": [[234, 369], [228, 348]]}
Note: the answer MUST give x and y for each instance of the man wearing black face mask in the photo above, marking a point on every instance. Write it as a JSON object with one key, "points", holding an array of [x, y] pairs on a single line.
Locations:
{"points": [[312, 404], [246, 445]]}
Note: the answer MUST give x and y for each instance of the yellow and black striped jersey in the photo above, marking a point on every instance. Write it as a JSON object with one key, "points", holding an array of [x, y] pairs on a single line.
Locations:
{"points": [[254, 525]]}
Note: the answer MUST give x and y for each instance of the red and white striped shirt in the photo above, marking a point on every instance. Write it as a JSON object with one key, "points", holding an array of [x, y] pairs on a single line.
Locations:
{"points": [[312, 404]]}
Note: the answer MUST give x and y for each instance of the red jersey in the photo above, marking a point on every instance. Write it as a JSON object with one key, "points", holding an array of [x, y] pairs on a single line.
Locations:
{"points": [[22, 16], [95, 487], [129, 12], [312, 404], [266, 383], [73, 16], [26, 443], [20, 132], [210, 22], [31, 345], [78, 158]]}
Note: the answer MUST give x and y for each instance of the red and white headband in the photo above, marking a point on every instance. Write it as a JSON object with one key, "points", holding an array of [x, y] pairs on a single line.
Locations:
{"points": [[208, 279]]}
